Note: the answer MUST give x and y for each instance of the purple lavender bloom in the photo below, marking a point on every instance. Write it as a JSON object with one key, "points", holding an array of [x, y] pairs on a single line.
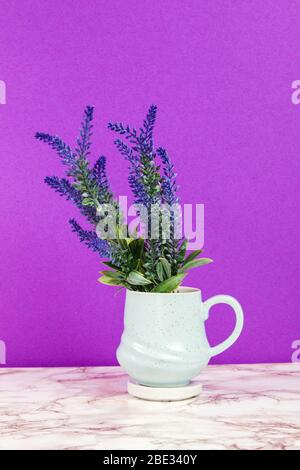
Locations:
{"points": [[84, 139], [66, 189], [62, 149], [79, 168], [99, 173], [141, 142], [141, 148], [147, 131], [129, 134], [169, 186], [135, 175], [169, 197], [91, 239]]}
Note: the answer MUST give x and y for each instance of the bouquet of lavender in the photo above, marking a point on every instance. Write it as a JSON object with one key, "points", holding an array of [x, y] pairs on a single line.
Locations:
{"points": [[137, 262]]}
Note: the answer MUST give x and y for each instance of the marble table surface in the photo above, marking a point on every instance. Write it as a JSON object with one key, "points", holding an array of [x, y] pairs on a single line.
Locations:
{"points": [[240, 407]]}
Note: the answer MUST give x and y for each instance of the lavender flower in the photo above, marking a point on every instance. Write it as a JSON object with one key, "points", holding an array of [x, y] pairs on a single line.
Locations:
{"points": [[169, 196], [66, 189], [84, 139], [147, 132], [129, 134], [143, 142], [63, 150], [169, 187], [144, 175], [90, 239], [100, 176], [87, 188], [135, 174]]}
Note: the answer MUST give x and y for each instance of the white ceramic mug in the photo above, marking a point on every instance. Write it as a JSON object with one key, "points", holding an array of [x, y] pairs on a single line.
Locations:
{"points": [[164, 342]]}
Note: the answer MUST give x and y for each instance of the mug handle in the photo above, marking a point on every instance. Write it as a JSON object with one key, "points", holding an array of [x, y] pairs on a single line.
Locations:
{"points": [[226, 299]]}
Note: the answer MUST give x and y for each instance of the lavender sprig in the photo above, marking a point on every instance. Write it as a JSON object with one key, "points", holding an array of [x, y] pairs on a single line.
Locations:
{"points": [[141, 142], [66, 189], [135, 173], [62, 149], [129, 134], [84, 139], [147, 131], [91, 240], [100, 176], [144, 177], [169, 186], [88, 188], [169, 196]]}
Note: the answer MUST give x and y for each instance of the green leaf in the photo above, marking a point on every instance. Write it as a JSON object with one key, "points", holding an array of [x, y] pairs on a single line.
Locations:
{"points": [[138, 266], [111, 265], [169, 285], [122, 243], [195, 263], [87, 201], [182, 251], [136, 247], [113, 274], [192, 256], [137, 279], [109, 281], [160, 271], [166, 267]]}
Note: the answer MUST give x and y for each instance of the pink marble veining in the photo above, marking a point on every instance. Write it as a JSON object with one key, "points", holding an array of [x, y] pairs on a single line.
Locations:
{"points": [[241, 407]]}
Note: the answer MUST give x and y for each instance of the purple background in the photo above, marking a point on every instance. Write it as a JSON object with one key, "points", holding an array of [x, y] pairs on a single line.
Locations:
{"points": [[221, 74]]}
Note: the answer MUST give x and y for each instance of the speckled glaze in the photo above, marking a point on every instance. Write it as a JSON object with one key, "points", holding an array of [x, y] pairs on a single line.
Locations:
{"points": [[164, 342]]}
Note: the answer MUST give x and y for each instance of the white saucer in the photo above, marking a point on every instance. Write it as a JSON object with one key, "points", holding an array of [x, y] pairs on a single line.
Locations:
{"points": [[164, 393]]}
